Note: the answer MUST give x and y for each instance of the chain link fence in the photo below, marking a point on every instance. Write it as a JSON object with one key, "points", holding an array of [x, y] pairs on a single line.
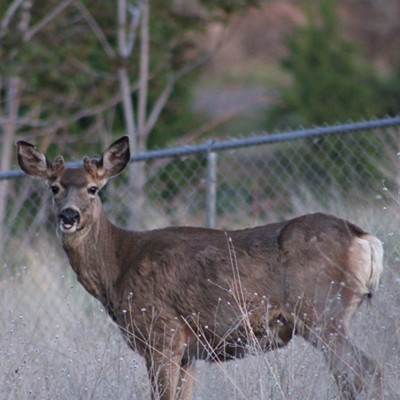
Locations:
{"points": [[229, 184], [350, 170]]}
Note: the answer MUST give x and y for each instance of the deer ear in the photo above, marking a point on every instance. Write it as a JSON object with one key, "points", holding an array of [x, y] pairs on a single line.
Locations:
{"points": [[33, 161], [114, 159]]}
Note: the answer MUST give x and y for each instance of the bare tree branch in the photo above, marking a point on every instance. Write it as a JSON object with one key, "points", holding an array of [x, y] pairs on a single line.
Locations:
{"points": [[25, 16], [166, 93], [122, 28], [209, 125], [24, 122], [98, 109], [45, 20], [96, 29], [12, 9], [160, 104], [135, 12], [84, 67], [124, 77], [142, 132], [206, 55]]}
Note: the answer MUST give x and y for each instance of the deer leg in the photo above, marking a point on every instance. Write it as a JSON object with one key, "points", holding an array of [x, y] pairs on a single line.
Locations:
{"points": [[353, 370], [171, 374], [186, 380], [163, 374], [156, 383]]}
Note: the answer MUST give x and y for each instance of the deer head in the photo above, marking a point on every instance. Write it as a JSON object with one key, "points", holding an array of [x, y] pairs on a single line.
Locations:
{"points": [[75, 190]]}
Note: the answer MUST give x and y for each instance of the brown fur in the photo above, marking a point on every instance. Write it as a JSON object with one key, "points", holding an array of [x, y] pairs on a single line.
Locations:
{"points": [[181, 294]]}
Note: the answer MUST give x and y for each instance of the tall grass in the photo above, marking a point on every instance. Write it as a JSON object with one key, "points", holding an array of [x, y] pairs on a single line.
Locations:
{"points": [[57, 343]]}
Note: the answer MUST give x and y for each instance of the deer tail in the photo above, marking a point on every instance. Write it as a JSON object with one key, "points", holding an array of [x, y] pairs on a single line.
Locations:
{"points": [[366, 263]]}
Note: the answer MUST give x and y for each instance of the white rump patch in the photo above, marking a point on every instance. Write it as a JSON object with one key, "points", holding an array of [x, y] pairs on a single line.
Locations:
{"points": [[366, 262]]}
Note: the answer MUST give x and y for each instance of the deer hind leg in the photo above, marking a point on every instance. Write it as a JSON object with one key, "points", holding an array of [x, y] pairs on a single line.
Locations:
{"points": [[354, 371]]}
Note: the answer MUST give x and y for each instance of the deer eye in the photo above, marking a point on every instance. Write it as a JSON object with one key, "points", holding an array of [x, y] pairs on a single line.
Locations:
{"points": [[93, 190], [54, 189]]}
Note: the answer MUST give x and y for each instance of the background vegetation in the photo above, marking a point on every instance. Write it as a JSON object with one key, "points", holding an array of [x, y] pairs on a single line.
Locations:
{"points": [[78, 73]]}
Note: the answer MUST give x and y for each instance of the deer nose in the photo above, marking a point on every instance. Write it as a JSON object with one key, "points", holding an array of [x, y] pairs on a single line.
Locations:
{"points": [[69, 216]]}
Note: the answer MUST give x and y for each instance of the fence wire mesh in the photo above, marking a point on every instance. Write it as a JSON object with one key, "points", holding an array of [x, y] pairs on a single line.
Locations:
{"points": [[353, 172], [244, 185]]}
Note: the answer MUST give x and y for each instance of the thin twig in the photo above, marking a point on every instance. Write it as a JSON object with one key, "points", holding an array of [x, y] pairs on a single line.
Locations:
{"points": [[44, 21], [12, 9], [135, 12], [94, 26]]}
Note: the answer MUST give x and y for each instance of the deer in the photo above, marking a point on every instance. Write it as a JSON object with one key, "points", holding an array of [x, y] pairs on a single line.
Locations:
{"points": [[181, 294]]}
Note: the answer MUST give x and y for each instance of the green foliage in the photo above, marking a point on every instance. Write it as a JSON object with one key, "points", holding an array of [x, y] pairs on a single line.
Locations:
{"points": [[230, 6], [177, 118], [389, 90], [66, 68], [63, 66], [330, 82]]}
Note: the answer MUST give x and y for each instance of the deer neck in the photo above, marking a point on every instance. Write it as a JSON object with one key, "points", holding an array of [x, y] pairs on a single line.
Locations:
{"points": [[93, 256]]}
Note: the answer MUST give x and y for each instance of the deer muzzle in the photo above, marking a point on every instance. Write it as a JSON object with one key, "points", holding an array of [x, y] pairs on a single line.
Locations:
{"points": [[69, 219]]}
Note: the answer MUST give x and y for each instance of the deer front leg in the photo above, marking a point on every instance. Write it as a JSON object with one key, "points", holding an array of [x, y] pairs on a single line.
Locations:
{"points": [[163, 376], [171, 376], [186, 380], [170, 381]]}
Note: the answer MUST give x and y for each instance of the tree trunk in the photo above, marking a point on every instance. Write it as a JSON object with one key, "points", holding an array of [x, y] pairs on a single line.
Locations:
{"points": [[136, 170], [137, 176]]}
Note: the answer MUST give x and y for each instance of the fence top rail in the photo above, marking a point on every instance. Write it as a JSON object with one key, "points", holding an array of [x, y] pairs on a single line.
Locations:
{"points": [[265, 138]]}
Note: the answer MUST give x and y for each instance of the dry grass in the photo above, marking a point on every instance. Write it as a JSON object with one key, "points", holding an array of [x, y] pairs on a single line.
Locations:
{"points": [[57, 343]]}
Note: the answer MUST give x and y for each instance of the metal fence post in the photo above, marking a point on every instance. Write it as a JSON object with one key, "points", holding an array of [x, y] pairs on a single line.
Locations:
{"points": [[211, 189]]}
